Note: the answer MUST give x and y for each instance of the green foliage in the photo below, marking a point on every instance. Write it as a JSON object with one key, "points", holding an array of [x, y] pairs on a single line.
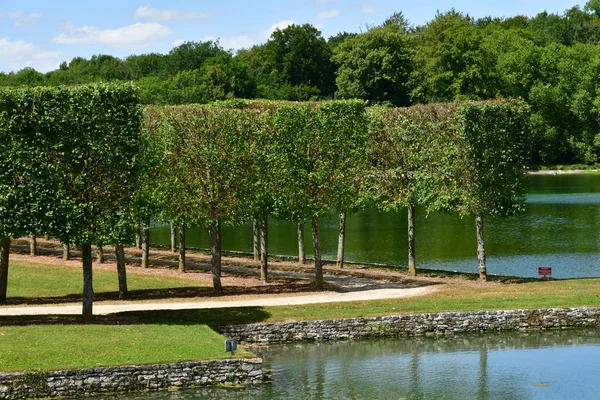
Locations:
{"points": [[375, 66], [300, 59], [28, 200], [81, 145], [205, 159], [470, 158], [411, 153], [324, 154], [494, 154]]}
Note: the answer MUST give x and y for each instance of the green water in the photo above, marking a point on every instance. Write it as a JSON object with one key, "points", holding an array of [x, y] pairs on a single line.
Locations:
{"points": [[539, 365], [560, 229]]}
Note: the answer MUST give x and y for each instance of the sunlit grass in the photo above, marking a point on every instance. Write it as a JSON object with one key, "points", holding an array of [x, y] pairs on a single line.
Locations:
{"points": [[33, 280], [54, 347]]}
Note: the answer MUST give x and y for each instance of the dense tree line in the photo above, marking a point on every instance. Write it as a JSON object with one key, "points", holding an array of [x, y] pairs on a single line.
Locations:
{"points": [[551, 61]]}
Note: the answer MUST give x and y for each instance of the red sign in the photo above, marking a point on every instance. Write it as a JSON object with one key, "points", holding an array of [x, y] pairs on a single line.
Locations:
{"points": [[545, 271]]}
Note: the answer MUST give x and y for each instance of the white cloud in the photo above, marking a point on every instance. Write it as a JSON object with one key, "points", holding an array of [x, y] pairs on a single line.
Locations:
{"points": [[16, 50], [19, 19], [178, 42], [278, 25], [46, 55], [232, 42], [19, 54], [43, 66], [366, 7], [154, 14], [328, 14], [136, 35], [236, 42]]}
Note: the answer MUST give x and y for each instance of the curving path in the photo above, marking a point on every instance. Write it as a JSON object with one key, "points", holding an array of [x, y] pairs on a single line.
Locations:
{"points": [[271, 300], [351, 288]]}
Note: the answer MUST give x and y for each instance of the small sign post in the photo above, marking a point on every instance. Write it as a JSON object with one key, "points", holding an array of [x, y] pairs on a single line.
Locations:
{"points": [[231, 345], [545, 272]]}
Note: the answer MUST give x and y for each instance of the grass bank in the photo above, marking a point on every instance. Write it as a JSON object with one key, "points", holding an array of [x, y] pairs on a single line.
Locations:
{"points": [[56, 347]]}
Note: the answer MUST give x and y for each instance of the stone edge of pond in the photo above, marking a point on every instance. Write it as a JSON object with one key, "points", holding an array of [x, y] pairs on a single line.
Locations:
{"points": [[447, 323], [112, 380]]}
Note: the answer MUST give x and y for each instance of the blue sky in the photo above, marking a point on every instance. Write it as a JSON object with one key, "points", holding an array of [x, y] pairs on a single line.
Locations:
{"points": [[43, 33]]}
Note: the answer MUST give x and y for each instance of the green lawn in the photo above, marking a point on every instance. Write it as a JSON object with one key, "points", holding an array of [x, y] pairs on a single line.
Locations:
{"points": [[170, 336], [28, 281], [52, 347], [457, 297]]}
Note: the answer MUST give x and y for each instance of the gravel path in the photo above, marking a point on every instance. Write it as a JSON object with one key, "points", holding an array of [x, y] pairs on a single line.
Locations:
{"points": [[286, 300]]}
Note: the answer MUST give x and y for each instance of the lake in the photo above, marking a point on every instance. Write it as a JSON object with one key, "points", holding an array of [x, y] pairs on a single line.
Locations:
{"points": [[560, 229], [537, 365]]}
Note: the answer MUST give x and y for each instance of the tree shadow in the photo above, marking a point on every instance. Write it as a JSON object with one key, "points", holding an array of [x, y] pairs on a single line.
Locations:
{"points": [[214, 318], [170, 293]]}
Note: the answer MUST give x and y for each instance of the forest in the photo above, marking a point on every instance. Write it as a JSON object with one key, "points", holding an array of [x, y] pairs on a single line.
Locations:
{"points": [[550, 61]]}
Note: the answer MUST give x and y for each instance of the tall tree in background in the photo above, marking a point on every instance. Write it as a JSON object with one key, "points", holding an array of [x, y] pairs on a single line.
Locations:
{"points": [[446, 62], [301, 59], [376, 65]]}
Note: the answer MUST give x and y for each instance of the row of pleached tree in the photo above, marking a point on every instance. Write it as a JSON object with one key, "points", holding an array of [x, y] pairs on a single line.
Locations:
{"points": [[86, 164]]}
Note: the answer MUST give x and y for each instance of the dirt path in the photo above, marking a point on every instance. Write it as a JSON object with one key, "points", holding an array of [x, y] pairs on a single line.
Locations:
{"points": [[322, 297], [349, 284]]}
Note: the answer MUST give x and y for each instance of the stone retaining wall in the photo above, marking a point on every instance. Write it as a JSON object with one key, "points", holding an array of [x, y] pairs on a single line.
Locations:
{"points": [[130, 378], [418, 324]]}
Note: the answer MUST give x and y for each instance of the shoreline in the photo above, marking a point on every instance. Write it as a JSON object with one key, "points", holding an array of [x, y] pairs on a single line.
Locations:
{"points": [[562, 171]]}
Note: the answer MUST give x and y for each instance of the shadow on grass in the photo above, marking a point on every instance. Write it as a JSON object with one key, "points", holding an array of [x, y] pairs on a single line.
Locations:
{"points": [[212, 317], [171, 293]]}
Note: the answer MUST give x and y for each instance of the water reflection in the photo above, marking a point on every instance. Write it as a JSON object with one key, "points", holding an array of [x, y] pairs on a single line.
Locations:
{"points": [[560, 228], [540, 365]]}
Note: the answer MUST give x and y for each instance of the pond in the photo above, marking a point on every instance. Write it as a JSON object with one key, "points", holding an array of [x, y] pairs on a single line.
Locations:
{"points": [[560, 229], [537, 365]]}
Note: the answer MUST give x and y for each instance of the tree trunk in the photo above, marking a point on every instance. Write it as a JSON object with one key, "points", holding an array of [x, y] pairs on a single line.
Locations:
{"points": [[32, 244], [215, 249], [138, 236], [173, 238], [317, 248], [146, 243], [481, 249], [264, 249], [412, 266], [301, 252], [47, 237], [66, 251], [4, 255], [256, 238], [483, 374], [341, 241], [121, 270], [100, 254], [88, 290], [182, 247]]}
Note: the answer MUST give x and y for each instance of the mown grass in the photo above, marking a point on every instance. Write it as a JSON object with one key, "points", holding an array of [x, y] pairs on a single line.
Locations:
{"points": [[170, 336], [36, 281], [456, 297], [52, 347]]}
